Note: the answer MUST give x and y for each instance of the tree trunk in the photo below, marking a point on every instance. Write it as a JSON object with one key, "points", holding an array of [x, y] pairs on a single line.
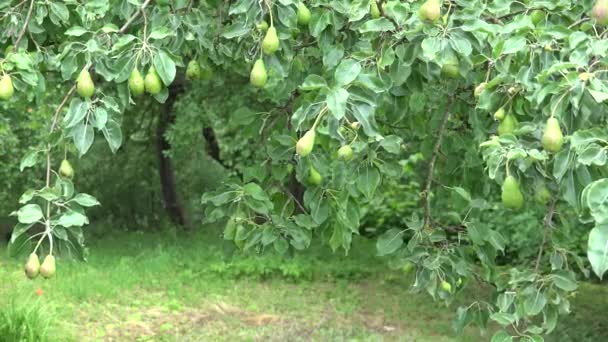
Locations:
{"points": [[165, 168]]}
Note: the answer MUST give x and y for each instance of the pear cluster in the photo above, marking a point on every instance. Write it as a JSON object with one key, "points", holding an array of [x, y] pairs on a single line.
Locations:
{"points": [[33, 268]]}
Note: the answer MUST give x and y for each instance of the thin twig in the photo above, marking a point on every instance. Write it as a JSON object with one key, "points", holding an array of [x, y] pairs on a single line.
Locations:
{"points": [[25, 25], [124, 27], [547, 228], [429, 177]]}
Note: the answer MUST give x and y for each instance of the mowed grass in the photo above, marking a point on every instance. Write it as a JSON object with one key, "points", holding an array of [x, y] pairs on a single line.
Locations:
{"points": [[163, 287]]}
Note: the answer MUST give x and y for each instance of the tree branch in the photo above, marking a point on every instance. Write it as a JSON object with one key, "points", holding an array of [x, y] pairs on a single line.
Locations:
{"points": [[124, 27], [547, 228], [429, 177], [25, 25]]}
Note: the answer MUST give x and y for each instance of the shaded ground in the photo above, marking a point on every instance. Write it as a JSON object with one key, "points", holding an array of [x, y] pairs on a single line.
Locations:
{"points": [[155, 288]]}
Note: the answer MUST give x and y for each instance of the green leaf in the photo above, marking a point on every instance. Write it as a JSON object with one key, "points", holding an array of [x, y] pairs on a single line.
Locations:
{"points": [[596, 198], [83, 136], [597, 249], [368, 180], [503, 318], [336, 102], [501, 336], [161, 32], [392, 144], [347, 71], [30, 213], [85, 200], [377, 25], [389, 242], [72, 218], [565, 280], [535, 303], [76, 31], [165, 67], [313, 82], [113, 135], [29, 160]]}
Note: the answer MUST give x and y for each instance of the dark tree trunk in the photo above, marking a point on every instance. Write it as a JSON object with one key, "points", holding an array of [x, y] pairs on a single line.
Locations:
{"points": [[213, 148], [165, 168]]}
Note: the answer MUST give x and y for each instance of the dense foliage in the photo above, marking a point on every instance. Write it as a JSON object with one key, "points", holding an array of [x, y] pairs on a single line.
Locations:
{"points": [[460, 112]]}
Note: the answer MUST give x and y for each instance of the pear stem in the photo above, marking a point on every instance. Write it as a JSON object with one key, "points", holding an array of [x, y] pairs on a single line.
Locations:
{"points": [[318, 119], [25, 25], [267, 3], [558, 102], [547, 225]]}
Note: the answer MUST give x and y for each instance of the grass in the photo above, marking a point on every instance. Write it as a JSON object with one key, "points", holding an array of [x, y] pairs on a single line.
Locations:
{"points": [[158, 287]]}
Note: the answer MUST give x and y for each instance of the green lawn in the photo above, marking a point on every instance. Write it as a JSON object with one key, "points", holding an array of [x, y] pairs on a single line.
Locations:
{"points": [[156, 287]]}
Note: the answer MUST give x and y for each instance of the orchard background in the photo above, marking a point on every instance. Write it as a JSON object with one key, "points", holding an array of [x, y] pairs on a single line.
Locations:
{"points": [[461, 143]]}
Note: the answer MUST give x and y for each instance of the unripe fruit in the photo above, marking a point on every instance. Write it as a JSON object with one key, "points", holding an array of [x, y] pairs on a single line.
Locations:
{"points": [[374, 10], [511, 195], [537, 16], [306, 143], [345, 153], [408, 267], [355, 125], [479, 89], [600, 12], [499, 114], [32, 266], [270, 44], [459, 282], [193, 71], [258, 74], [542, 195], [303, 14], [136, 83], [553, 139], [585, 76], [314, 177], [152, 82], [85, 85], [47, 269], [548, 47], [445, 286], [262, 26], [430, 10], [451, 69], [6, 87], [508, 125], [65, 169]]}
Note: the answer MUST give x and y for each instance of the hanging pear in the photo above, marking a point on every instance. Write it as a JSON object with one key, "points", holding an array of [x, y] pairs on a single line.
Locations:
{"points": [[32, 266], [445, 286], [303, 14], [507, 125], [258, 76], [6, 87], [451, 68], [65, 169], [599, 12], [193, 70], [152, 82], [136, 83], [542, 194], [314, 177], [47, 269], [345, 153], [262, 26], [430, 10], [511, 195], [553, 139], [499, 115], [84, 84], [479, 89], [306, 143], [270, 44], [374, 10]]}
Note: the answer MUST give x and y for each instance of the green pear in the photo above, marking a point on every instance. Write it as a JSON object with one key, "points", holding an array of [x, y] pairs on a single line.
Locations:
{"points": [[499, 115], [270, 44], [355, 125], [480, 89], [47, 269], [451, 69], [6, 87], [314, 177], [511, 195], [408, 267], [262, 26], [306, 143], [65, 169], [136, 83], [374, 10], [599, 12], [345, 153], [303, 14], [445, 286], [552, 139], [193, 70], [85, 85], [430, 10], [258, 76], [32, 266], [542, 194], [507, 125], [152, 82]]}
